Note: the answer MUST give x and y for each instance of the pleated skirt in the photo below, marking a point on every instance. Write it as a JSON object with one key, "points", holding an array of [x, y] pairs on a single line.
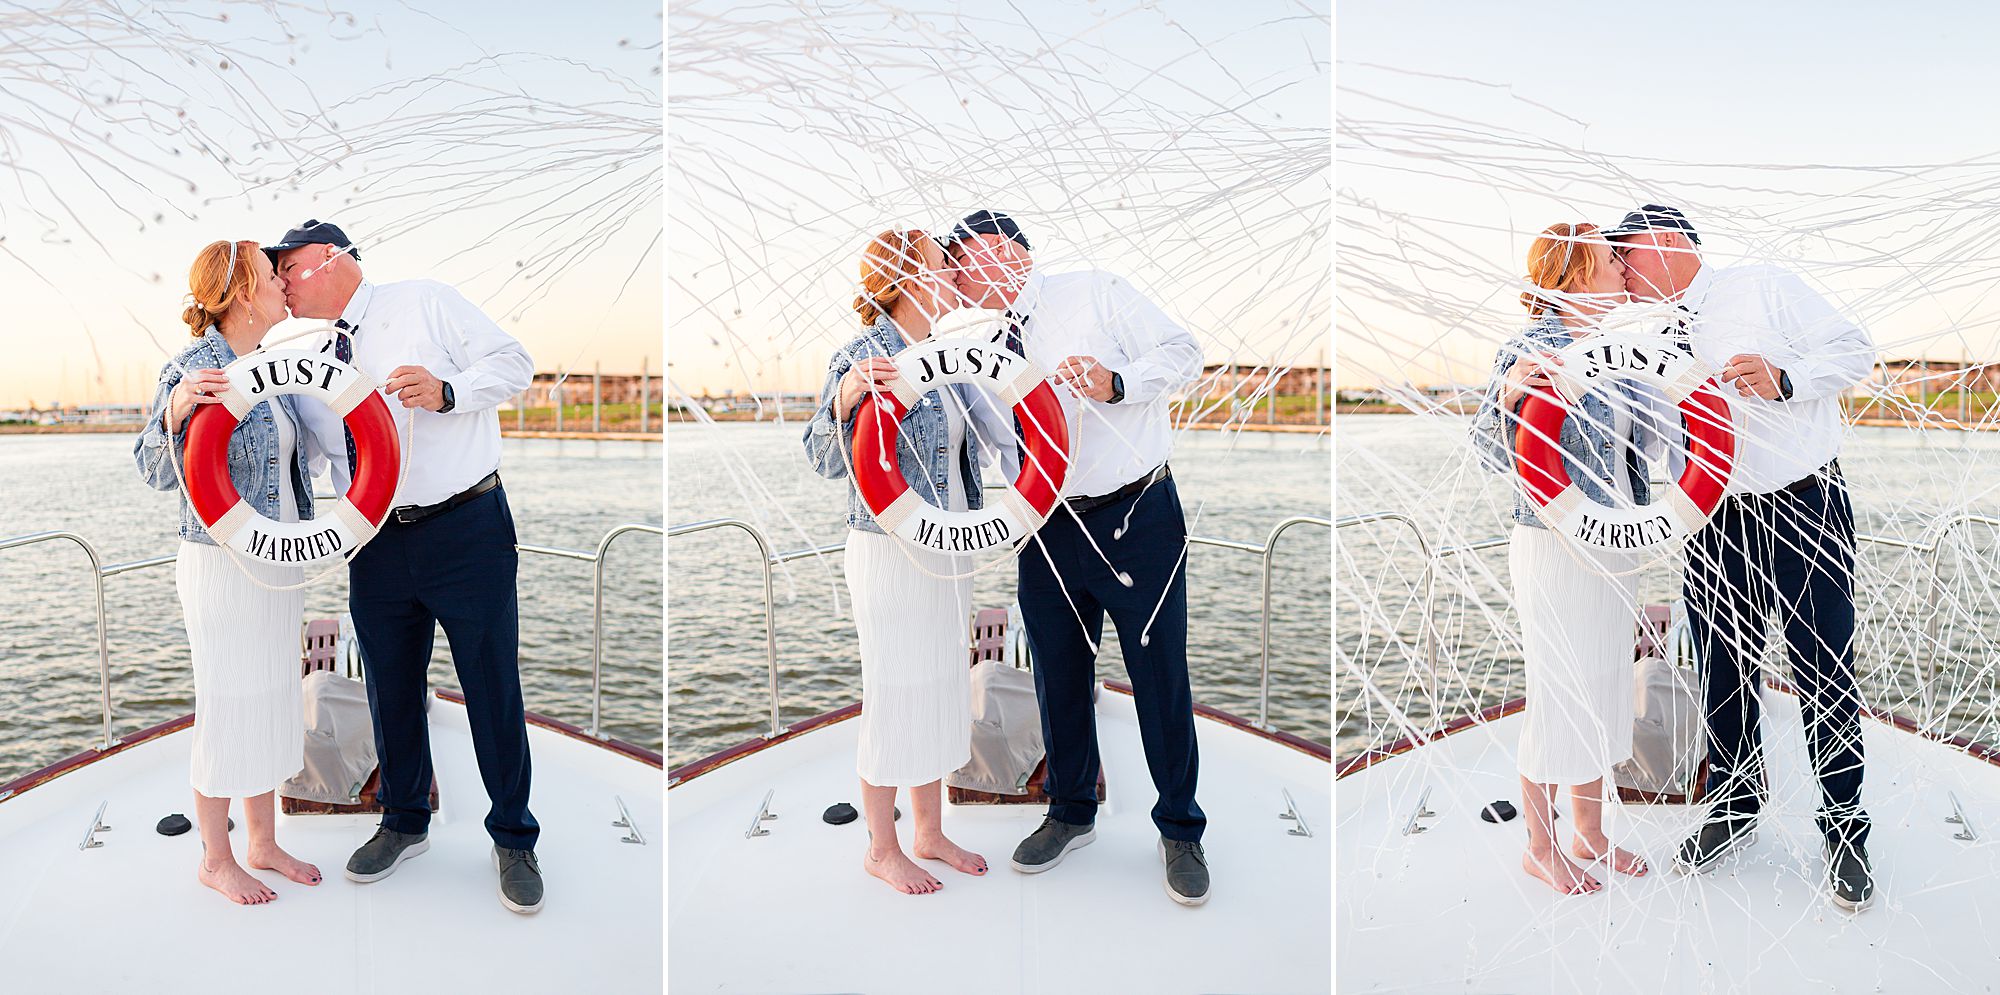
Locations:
{"points": [[249, 718], [916, 680], [1579, 623]]}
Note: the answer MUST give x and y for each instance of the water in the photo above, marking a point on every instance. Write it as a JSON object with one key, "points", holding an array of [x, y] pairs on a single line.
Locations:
{"points": [[1921, 650], [564, 493], [1233, 486]]}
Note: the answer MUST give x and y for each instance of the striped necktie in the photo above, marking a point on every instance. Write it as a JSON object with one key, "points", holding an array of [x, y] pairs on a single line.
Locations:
{"points": [[343, 350], [1015, 323]]}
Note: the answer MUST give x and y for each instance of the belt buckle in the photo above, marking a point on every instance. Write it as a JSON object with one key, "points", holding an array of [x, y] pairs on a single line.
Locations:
{"points": [[406, 515]]}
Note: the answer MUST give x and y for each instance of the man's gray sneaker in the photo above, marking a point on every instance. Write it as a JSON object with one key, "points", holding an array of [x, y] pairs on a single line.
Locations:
{"points": [[1187, 871], [1850, 879], [1718, 837], [1045, 847], [520, 879], [379, 857]]}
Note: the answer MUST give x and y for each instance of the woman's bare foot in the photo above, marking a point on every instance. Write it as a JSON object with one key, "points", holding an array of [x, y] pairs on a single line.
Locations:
{"points": [[271, 858], [939, 848], [235, 883], [901, 872], [1550, 865], [1622, 861]]}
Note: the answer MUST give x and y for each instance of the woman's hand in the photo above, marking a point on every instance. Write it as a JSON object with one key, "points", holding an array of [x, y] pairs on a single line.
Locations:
{"points": [[872, 373], [1526, 374], [198, 387]]}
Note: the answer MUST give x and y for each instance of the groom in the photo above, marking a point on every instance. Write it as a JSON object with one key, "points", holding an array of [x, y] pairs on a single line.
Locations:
{"points": [[1114, 547], [446, 556], [1782, 541]]}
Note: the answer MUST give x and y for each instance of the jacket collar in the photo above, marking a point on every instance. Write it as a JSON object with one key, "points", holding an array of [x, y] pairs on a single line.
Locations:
{"points": [[219, 345]]}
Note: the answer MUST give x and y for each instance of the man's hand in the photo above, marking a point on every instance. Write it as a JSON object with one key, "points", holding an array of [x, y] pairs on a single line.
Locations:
{"points": [[415, 387], [1086, 376], [1753, 375]]}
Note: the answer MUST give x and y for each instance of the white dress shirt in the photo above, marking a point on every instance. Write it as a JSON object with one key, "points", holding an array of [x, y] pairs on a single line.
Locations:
{"points": [[1093, 313], [429, 324], [1771, 312]]}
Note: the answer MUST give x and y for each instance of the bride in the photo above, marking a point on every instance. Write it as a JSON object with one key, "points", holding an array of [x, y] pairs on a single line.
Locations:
{"points": [[912, 606], [249, 725], [1578, 605]]}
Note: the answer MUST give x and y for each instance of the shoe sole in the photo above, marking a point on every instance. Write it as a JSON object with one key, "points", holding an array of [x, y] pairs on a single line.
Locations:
{"points": [[1847, 905], [526, 910], [1075, 842], [1169, 885], [1742, 842], [409, 851]]}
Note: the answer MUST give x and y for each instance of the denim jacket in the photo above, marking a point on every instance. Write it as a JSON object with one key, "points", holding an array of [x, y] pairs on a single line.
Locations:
{"points": [[253, 446], [921, 438], [1588, 449]]}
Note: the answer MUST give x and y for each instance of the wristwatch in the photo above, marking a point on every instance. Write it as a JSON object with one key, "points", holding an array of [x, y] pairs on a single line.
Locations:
{"points": [[449, 401], [1117, 388], [1784, 386]]}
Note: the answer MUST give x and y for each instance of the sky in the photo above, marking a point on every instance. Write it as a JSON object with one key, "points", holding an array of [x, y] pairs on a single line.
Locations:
{"points": [[1181, 144], [1836, 139], [512, 154]]}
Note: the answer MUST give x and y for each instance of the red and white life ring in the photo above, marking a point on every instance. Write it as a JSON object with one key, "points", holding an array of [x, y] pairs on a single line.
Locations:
{"points": [[1026, 502], [263, 376], [1589, 364]]}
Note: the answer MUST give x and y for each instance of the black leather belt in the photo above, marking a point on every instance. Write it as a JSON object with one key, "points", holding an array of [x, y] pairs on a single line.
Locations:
{"points": [[1803, 485], [1081, 505], [411, 514], [1831, 471]]}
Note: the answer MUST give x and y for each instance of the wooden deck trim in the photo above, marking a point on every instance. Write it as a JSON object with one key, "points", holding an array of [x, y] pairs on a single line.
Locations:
{"points": [[1306, 746], [619, 746], [13, 789], [688, 771], [1973, 748]]}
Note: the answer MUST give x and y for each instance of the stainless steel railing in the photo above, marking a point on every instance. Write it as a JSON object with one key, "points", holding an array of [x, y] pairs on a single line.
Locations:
{"points": [[771, 560], [1927, 547], [99, 572], [595, 558]]}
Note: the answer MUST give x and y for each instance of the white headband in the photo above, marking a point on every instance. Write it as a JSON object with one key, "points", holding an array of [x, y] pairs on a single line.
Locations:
{"points": [[230, 273]]}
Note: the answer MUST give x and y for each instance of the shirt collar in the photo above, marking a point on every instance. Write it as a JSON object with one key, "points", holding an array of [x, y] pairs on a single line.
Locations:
{"points": [[1030, 296], [357, 305], [1697, 288]]}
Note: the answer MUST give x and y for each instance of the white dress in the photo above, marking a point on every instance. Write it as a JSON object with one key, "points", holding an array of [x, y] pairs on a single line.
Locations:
{"points": [[249, 718], [915, 632], [1579, 608]]}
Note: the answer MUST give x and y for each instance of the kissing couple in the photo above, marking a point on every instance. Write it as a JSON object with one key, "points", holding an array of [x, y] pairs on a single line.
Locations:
{"points": [[1781, 544], [444, 556], [1112, 546]]}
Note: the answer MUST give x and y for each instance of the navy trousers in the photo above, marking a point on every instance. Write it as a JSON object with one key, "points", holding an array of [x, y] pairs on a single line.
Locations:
{"points": [[1066, 589], [1792, 554], [457, 570]]}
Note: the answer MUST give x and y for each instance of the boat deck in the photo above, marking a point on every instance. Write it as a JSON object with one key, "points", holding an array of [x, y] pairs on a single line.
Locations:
{"points": [[1450, 910], [794, 911], [129, 915]]}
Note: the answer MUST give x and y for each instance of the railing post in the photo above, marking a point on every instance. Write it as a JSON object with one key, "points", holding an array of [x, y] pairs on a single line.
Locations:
{"points": [[770, 603], [645, 400], [597, 397]]}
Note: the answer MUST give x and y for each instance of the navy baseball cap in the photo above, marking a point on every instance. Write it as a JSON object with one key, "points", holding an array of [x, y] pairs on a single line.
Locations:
{"points": [[1654, 217], [313, 233], [988, 223]]}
